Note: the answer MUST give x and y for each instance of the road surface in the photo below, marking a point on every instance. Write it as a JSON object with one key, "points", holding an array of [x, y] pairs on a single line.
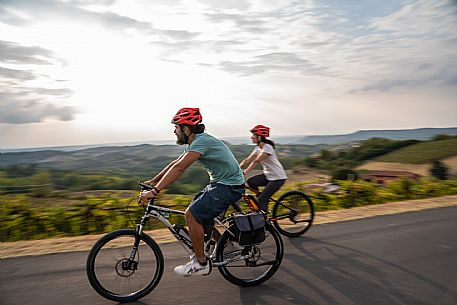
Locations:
{"points": [[408, 258]]}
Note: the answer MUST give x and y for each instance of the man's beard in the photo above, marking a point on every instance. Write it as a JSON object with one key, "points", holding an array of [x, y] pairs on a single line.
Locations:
{"points": [[181, 139]]}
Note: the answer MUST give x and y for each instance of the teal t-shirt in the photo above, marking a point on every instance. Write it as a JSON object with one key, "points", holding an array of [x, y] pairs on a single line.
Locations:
{"points": [[217, 159]]}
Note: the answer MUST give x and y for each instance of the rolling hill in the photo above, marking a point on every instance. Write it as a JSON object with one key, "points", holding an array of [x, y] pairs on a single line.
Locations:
{"points": [[361, 135], [422, 153], [417, 158], [127, 160]]}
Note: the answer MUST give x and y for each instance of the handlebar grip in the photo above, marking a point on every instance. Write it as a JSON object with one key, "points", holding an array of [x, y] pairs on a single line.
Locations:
{"points": [[145, 186]]}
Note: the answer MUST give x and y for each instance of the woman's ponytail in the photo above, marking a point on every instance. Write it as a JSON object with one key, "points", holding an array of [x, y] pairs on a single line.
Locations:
{"points": [[267, 141]]}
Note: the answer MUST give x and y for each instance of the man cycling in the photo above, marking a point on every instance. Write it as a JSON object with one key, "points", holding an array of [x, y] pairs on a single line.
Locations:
{"points": [[226, 182]]}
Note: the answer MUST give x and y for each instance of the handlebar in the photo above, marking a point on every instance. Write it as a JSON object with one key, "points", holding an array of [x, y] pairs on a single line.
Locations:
{"points": [[145, 186]]}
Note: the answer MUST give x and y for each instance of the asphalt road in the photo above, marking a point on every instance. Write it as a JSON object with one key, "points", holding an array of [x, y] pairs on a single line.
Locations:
{"points": [[407, 258]]}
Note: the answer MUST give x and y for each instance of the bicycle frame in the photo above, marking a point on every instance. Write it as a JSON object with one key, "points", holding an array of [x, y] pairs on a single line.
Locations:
{"points": [[162, 214], [278, 217]]}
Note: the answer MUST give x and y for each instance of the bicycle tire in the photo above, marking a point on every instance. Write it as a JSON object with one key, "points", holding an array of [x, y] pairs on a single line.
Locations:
{"points": [[95, 254], [286, 209], [226, 270]]}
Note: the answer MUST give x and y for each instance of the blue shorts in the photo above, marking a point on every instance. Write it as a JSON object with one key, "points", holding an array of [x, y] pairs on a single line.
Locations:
{"points": [[214, 200]]}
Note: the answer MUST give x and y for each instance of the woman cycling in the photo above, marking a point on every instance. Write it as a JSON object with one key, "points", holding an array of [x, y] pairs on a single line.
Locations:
{"points": [[273, 176]]}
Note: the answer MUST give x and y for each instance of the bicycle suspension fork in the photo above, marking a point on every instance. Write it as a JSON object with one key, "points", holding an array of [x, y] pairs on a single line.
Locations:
{"points": [[138, 232]]}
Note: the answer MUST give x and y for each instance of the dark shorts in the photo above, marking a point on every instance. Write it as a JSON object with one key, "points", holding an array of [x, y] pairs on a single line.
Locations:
{"points": [[214, 200]]}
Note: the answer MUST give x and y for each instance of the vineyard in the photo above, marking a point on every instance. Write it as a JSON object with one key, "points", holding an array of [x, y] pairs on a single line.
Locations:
{"points": [[24, 216]]}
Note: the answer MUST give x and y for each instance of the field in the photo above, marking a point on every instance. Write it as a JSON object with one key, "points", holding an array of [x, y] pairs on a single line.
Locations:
{"points": [[422, 153], [421, 169]]}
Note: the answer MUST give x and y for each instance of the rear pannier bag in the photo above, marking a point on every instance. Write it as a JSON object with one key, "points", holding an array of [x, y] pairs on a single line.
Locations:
{"points": [[249, 229]]}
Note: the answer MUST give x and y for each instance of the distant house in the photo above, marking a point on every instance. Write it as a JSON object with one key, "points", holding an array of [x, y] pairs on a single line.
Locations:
{"points": [[383, 177]]}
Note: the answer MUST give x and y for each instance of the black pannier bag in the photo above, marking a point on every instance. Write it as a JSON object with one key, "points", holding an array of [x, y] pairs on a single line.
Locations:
{"points": [[249, 229]]}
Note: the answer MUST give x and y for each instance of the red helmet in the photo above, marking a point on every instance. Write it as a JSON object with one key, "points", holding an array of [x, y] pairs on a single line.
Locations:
{"points": [[261, 130], [188, 116]]}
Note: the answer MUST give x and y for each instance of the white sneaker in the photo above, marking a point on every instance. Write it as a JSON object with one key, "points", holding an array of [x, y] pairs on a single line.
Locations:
{"points": [[193, 267]]}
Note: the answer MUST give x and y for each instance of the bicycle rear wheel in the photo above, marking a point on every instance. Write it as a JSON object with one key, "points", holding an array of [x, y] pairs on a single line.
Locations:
{"points": [[251, 265], [115, 276], [293, 213]]}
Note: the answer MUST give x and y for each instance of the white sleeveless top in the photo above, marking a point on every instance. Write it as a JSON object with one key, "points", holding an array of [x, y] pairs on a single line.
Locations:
{"points": [[272, 168]]}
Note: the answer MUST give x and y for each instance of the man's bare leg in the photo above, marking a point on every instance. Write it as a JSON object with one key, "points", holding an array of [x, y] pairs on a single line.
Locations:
{"points": [[196, 234]]}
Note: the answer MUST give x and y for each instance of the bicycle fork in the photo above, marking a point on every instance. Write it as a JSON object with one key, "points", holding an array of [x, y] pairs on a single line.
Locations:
{"points": [[131, 264]]}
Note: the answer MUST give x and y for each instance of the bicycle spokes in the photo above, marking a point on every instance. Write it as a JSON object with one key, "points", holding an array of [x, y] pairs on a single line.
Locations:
{"points": [[250, 265], [293, 213], [122, 269]]}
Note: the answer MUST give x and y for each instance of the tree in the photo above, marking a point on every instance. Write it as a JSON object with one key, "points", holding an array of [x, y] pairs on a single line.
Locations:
{"points": [[441, 137], [311, 162], [327, 155], [439, 170]]}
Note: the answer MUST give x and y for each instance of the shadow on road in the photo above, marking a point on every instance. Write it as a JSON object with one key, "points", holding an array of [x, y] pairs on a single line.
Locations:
{"points": [[335, 274], [341, 274]]}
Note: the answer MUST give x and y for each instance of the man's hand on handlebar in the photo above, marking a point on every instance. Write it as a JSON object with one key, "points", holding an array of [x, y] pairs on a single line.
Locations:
{"points": [[148, 192], [145, 196]]}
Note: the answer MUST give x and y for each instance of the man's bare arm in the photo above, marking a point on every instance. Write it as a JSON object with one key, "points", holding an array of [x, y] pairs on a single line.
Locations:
{"points": [[177, 169], [159, 176]]}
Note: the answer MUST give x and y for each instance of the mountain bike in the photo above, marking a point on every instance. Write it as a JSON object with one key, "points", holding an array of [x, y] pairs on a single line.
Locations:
{"points": [[292, 214], [126, 265]]}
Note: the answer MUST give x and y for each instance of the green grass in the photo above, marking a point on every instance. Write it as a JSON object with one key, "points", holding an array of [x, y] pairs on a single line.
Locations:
{"points": [[422, 153]]}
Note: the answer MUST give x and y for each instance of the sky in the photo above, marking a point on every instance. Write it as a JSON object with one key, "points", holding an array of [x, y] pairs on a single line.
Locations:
{"points": [[78, 72]]}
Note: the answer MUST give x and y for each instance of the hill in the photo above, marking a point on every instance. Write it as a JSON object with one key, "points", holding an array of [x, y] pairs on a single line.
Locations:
{"points": [[127, 160], [417, 158], [422, 153], [361, 135], [421, 169]]}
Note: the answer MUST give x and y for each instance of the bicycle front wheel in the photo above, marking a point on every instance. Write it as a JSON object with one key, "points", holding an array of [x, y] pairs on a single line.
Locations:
{"points": [[249, 265], [293, 213], [115, 275]]}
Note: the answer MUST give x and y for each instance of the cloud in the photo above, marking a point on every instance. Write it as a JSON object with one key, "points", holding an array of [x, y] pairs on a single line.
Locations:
{"points": [[15, 76], [412, 47], [22, 105], [16, 57], [177, 35], [20, 101], [74, 10], [31, 111], [255, 40], [14, 53], [271, 62], [361, 46], [248, 31], [246, 23], [18, 12]]}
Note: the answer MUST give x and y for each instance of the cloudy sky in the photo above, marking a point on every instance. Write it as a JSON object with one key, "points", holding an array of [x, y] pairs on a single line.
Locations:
{"points": [[107, 71]]}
